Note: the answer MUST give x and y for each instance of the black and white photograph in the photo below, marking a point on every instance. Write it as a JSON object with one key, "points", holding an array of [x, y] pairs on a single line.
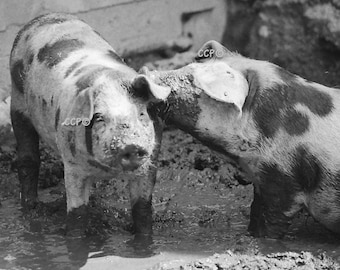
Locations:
{"points": [[169, 134]]}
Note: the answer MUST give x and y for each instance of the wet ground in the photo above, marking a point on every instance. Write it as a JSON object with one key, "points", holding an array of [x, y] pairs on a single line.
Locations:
{"points": [[199, 210]]}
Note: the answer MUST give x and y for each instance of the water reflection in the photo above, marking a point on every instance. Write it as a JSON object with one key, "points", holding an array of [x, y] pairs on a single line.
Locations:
{"points": [[40, 242]]}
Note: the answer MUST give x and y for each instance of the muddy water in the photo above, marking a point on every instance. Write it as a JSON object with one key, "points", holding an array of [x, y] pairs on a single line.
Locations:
{"points": [[199, 210]]}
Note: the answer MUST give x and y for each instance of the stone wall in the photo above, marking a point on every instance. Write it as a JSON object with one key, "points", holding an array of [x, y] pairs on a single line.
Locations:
{"points": [[302, 36]]}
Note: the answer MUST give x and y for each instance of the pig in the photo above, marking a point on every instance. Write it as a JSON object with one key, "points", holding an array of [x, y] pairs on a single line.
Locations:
{"points": [[71, 90], [283, 131]]}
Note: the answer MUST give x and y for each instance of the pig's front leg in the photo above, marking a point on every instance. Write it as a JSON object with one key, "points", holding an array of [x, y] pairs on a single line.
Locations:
{"points": [[274, 203], [28, 161], [78, 186], [257, 226], [141, 188], [267, 218]]}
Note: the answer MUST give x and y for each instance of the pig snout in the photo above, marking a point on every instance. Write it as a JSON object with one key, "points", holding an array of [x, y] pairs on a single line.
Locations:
{"points": [[132, 157]]}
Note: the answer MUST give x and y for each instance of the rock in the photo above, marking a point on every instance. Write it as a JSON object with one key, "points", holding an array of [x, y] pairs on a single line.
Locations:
{"points": [[326, 22]]}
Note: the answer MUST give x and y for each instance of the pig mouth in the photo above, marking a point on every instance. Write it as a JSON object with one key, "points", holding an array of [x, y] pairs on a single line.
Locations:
{"points": [[128, 158]]}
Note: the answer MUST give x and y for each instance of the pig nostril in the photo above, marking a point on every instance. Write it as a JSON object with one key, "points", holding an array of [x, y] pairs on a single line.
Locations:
{"points": [[141, 153], [132, 157], [127, 156], [132, 152]]}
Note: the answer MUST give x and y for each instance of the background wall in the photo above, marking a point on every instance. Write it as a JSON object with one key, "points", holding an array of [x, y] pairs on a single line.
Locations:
{"points": [[302, 36], [129, 25]]}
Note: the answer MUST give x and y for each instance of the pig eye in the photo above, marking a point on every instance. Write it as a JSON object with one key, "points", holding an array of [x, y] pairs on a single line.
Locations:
{"points": [[98, 117]]}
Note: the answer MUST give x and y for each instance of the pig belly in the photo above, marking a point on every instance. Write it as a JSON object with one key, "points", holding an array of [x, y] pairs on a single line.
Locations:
{"points": [[324, 205]]}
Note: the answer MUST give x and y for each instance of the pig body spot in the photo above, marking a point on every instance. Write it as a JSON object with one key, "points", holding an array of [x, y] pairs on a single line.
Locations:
{"points": [[55, 53], [275, 108], [72, 143], [307, 169], [295, 123], [87, 79], [277, 186], [18, 75], [318, 102], [72, 68], [88, 138], [115, 56], [30, 59], [51, 20], [56, 120], [44, 104], [38, 21]]}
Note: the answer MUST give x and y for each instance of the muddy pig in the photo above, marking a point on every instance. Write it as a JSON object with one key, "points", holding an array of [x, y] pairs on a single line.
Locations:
{"points": [[70, 89], [282, 129]]}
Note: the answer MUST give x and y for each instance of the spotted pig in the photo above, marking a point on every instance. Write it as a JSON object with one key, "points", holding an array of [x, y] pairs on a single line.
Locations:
{"points": [[71, 90], [283, 130]]}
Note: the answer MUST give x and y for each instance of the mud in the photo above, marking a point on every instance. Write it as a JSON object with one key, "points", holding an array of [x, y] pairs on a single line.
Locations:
{"points": [[199, 210], [230, 260]]}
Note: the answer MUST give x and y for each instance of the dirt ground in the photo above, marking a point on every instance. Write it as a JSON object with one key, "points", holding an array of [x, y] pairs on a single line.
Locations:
{"points": [[199, 208]]}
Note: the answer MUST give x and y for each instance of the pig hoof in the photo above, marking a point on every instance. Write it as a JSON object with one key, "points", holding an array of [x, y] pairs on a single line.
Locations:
{"points": [[258, 232], [142, 245], [263, 231], [257, 227]]}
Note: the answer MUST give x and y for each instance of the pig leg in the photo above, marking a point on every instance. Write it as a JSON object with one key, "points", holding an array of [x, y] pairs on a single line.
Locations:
{"points": [[78, 187], [141, 188], [256, 226], [274, 205], [28, 158], [267, 218]]}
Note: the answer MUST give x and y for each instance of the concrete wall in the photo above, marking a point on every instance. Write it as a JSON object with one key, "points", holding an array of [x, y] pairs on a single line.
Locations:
{"points": [[129, 25]]}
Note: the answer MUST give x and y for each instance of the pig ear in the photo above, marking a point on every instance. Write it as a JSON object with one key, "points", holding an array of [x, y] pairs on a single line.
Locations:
{"points": [[222, 83], [211, 50], [83, 106], [145, 88]]}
